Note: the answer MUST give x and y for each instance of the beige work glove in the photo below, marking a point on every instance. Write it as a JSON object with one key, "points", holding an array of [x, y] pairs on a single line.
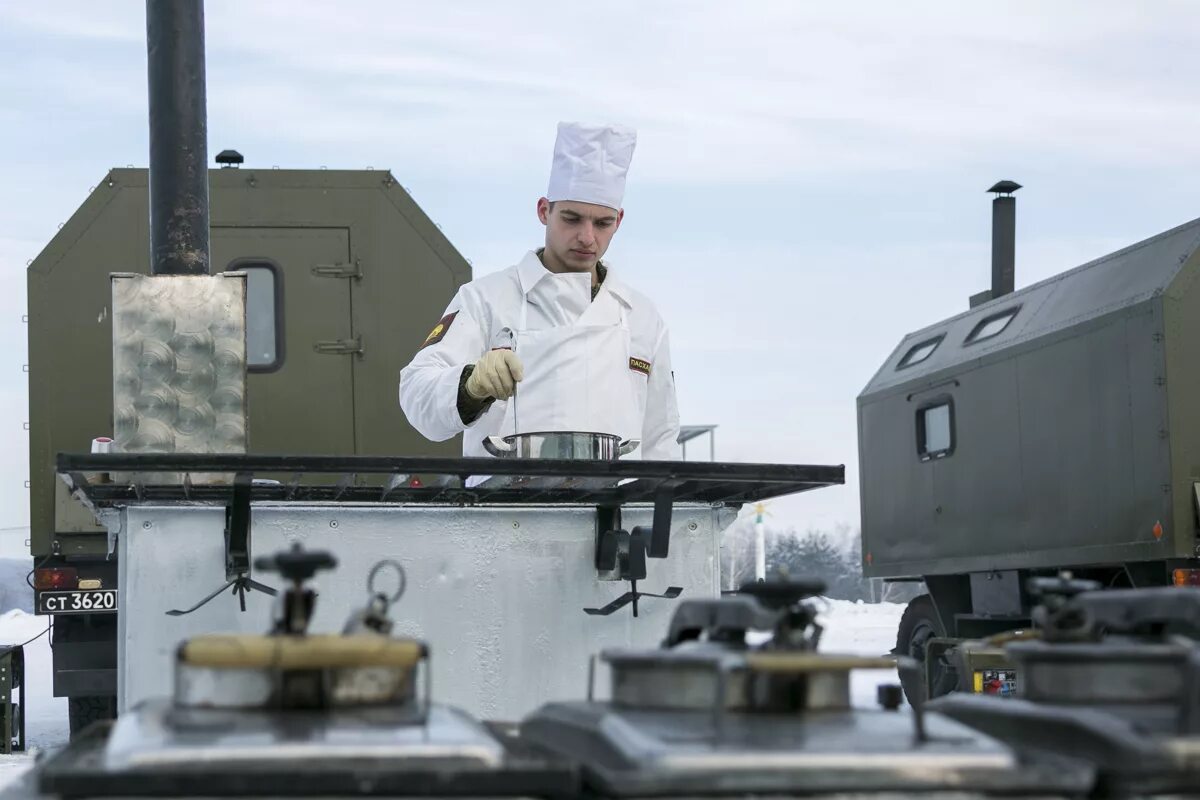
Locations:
{"points": [[495, 375]]}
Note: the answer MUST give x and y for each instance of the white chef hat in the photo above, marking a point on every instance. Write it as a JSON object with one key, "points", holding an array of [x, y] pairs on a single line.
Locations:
{"points": [[590, 163]]}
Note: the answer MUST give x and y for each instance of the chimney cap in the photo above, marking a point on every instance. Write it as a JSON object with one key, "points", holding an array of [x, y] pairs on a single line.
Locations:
{"points": [[1005, 187], [228, 158]]}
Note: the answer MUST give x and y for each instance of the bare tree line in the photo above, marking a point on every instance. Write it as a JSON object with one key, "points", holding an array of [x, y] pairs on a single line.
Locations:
{"points": [[833, 557]]}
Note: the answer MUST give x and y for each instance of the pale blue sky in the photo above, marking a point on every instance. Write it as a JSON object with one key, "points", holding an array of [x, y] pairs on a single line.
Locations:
{"points": [[808, 185]]}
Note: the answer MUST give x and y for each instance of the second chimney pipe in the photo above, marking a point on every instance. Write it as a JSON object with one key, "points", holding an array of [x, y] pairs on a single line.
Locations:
{"points": [[179, 238], [1004, 238]]}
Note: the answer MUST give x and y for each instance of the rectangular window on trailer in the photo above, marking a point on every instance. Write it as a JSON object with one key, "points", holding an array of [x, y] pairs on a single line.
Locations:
{"points": [[935, 430], [263, 351]]}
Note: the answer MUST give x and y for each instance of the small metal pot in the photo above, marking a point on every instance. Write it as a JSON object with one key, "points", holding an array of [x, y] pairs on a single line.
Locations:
{"points": [[561, 445]]}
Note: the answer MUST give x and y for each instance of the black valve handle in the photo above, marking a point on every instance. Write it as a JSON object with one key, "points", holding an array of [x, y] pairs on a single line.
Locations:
{"points": [[782, 594], [296, 564]]}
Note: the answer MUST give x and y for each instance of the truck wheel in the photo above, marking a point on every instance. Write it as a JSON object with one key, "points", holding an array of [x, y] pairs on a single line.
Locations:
{"points": [[918, 625], [83, 711]]}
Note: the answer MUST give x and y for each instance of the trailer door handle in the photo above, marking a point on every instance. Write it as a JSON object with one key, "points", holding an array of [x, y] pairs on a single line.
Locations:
{"points": [[352, 270], [340, 347]]}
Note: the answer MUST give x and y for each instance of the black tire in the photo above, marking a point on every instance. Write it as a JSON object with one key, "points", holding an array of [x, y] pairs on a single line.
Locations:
{"points": [[83, 711], [918, 625]]}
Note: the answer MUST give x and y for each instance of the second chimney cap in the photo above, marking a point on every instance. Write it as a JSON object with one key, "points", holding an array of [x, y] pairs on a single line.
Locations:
{"points": [[227, 158], [1005, 187]]}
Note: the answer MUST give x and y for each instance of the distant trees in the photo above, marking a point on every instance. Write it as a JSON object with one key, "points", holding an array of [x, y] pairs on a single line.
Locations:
{"points": [[833, 557]]}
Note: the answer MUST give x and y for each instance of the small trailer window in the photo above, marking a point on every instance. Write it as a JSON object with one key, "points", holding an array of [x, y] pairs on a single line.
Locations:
{"points": [[919, 352], [935, 430], [991, 326], [263, 320]]}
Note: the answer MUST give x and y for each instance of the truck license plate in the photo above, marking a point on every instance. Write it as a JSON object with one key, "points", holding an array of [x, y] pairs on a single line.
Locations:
{"points": [[87, 602]]}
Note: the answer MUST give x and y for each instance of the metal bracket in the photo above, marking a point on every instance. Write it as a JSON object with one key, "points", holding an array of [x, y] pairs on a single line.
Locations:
{"points": [[608, 526], [658, 537], [237, 528], [632, 596], [622, 555], [353, 270], [340, 347], [237, 548]]}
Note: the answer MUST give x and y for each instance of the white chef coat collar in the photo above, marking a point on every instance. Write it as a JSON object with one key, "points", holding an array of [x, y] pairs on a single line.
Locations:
{"points": [[614, 284], [531, 270]]}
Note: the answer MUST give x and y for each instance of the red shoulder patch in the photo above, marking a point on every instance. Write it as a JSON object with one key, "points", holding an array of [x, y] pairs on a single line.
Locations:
{"points": [[439, 330]]}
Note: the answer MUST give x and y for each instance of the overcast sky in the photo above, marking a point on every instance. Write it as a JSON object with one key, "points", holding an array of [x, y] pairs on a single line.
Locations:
{"points": [[809, 183]]}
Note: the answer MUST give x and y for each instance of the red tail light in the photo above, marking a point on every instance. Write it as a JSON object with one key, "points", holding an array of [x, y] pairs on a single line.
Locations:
{"points": [[56, 578], [1187, 577]]}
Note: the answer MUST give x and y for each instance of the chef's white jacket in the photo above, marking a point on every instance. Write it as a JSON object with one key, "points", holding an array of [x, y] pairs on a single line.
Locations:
{"points": [[475, 320]]}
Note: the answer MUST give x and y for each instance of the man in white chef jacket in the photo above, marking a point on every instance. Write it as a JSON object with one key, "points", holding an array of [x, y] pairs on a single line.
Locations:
{"points": [[580, 348]]}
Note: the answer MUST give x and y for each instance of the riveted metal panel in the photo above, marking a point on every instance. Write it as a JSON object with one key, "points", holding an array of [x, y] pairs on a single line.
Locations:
{"points": [[1181, 377], [498, 593], [1061, 459], [410, 271], [1066, 454], [1117, 281]]}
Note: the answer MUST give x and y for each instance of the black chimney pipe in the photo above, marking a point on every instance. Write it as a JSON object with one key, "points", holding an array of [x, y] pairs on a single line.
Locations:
{"points": [[1004, 238], [178, 138]]}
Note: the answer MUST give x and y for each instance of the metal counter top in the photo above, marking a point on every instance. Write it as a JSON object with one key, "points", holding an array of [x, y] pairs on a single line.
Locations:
{"points": [[436, 480]]}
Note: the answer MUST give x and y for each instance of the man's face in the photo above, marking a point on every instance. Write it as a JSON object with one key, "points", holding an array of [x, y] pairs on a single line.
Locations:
{"points": [[577, 234]]}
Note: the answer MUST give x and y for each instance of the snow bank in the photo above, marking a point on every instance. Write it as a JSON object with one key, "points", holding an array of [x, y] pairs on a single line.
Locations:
{"points": [[46, 722], [865, 629], [14, 591], [862, 629]]}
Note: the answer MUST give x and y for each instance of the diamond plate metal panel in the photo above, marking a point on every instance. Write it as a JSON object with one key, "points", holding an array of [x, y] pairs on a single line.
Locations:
{"points": [[179, 363]]}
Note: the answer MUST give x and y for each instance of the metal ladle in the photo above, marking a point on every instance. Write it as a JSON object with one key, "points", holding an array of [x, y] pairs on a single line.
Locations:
{"points": [[575, 445]]}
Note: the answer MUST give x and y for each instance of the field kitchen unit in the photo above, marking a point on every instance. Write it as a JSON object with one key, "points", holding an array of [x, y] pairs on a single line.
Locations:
{"points": [[342, 273], [512, 580]]}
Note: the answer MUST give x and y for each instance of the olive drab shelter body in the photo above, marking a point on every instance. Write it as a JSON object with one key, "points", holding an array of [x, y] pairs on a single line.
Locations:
{"points": [[343, 271], [1054, 427]]}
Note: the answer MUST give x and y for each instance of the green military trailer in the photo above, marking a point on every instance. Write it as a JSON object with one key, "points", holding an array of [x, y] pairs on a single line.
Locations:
{"points": [[344, 272], [1049, 429]]}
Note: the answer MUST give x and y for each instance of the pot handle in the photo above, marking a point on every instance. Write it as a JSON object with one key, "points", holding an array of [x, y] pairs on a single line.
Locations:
{"points": [[497, 446], [628, 446]]}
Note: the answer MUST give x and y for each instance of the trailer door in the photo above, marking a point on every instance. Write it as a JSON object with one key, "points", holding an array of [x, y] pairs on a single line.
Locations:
{"points": [[300, 346]]}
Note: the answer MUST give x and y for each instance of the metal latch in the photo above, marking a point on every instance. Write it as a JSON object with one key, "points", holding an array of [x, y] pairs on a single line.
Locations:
{"points": [[340, 347], [339, 270]]}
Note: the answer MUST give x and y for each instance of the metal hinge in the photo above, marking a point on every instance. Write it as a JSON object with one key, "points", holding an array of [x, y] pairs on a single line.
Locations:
{"points": [[339, 347], [339, 270]]}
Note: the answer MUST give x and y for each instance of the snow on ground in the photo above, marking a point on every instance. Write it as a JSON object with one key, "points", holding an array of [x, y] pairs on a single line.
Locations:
{"points": [[14, 590], [46, 715], [867, 629], [861, 629]]}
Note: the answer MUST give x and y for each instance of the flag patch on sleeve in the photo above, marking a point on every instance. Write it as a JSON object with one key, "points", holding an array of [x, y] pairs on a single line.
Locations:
{"points": [[439, 330], [640, 365]]}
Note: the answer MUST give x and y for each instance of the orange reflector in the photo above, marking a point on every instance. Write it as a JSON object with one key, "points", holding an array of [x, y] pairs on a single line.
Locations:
{"points": [[1158, 530], [1186, 577], [55, 578], [869, 558]]}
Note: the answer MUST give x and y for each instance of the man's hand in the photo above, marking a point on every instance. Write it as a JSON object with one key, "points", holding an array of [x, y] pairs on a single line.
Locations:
{"points": [[495, 375]]}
